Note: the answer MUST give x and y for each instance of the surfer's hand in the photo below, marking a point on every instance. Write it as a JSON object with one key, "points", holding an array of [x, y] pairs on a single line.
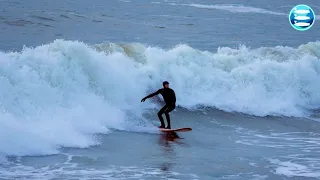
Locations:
{"points": [[143, 99]]}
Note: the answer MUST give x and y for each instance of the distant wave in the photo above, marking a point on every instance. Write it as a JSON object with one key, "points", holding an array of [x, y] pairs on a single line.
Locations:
{"points": [[126, 1], [232, 8], [61, 94]]}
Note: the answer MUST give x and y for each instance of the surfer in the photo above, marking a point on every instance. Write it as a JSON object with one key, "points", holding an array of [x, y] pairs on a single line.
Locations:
{"points": [[170, 99]]}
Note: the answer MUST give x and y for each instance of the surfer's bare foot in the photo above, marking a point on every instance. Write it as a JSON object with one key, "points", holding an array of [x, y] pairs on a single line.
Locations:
{"points": [[168, 127]]}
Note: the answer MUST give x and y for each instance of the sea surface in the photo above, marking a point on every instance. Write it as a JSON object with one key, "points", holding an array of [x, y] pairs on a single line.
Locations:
{"points": [[73, 73]]}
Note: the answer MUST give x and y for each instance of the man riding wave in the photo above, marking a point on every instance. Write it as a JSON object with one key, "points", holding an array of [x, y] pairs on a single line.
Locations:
{"points": [[170, 99]]}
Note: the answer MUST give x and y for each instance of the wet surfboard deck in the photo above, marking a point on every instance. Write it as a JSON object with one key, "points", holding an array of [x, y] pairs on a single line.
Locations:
{"points": [[185, 129]]}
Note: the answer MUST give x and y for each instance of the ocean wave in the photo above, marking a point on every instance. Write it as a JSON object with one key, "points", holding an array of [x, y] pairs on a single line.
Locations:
{"points": [[63, 93], [234, 8]]}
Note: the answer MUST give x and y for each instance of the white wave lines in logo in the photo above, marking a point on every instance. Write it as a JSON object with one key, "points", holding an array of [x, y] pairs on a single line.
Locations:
{"points": [[301, 17]]}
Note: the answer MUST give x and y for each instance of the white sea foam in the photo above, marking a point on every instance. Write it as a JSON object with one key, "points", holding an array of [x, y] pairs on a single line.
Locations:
{"points": [[292, 169], [301, 157], [62, 94], [234, 8], [71, 171]]}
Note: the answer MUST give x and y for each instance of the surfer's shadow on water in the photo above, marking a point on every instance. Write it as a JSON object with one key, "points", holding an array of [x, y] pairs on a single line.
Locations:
{"points": [[171, 137]]}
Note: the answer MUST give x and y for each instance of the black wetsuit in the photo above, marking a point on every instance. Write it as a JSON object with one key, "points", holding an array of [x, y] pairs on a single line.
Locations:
{"points": [[170, 99]]}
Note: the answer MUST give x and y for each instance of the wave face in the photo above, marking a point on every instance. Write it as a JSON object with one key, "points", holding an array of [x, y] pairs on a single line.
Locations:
{"points": [[61, 94]]}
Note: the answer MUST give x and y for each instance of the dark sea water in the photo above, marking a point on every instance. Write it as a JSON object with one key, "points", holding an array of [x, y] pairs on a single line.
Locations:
{"points": [[73, 73]]}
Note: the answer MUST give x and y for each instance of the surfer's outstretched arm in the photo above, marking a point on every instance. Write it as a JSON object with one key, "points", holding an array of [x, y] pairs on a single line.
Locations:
{"points": [[150, 95]]}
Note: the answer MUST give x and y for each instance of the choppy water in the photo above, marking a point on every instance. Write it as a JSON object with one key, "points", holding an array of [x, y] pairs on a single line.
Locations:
{"points": [[72, 74]]}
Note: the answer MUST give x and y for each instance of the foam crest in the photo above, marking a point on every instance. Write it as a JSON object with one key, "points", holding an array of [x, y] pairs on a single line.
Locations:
{"points": [[60, 95], [263, 81]]}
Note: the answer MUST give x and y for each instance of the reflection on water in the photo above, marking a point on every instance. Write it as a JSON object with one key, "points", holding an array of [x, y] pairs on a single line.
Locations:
{"points": [[167, 137], [166, 166], [167, 142]]}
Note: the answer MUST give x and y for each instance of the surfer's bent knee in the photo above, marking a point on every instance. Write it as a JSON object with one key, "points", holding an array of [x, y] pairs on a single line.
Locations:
{"points": [[160, 113]]}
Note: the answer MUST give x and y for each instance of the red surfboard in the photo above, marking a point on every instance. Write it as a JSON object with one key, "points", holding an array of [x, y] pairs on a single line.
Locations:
{"points": [[186, 129]]}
